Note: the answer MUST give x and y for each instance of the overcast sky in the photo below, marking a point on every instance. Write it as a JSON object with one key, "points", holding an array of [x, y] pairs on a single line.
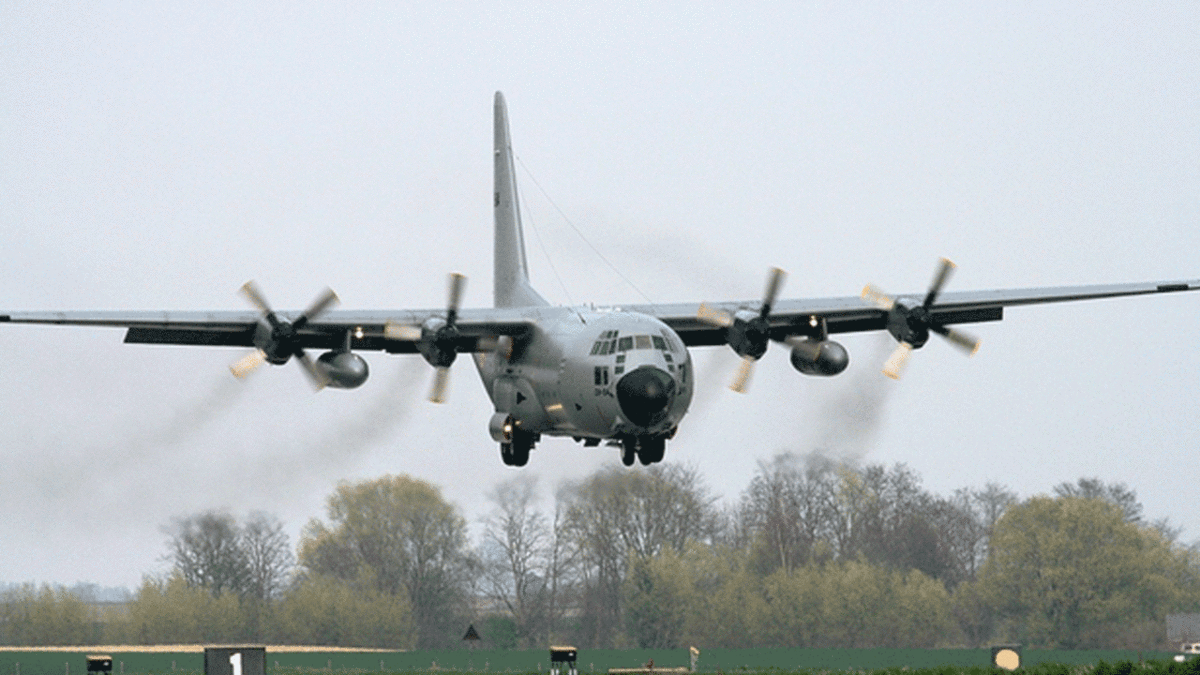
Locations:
{"points": [[159, 155]]}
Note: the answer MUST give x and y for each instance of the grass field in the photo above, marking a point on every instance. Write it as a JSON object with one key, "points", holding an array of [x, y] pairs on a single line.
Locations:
{"points": [[189, 660]]}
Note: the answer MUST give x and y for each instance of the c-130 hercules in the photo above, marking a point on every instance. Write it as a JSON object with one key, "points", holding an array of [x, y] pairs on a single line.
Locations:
{"points": [[619, 374]]}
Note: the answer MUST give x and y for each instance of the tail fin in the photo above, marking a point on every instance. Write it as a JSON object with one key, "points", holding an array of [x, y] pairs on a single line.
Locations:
{"points": [[511, 276]]}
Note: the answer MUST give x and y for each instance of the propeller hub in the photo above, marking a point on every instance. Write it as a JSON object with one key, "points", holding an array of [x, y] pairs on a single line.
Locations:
{"points": [[645, 395], [910, 324], [749, 337]]}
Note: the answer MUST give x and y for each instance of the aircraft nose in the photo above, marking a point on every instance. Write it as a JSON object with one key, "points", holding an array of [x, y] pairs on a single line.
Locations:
{"points": [[645, 394]]}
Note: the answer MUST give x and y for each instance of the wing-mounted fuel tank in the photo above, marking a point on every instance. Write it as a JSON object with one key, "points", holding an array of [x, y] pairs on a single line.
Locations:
{"points": [[819, 357], [343, 369]]}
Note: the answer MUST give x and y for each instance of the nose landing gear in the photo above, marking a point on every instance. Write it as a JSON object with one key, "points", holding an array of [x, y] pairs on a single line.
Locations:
{"points": [[646, 449]]}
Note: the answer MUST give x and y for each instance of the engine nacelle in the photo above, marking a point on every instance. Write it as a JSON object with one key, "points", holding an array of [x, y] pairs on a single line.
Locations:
{"points": [[501, 427], [345, 370], [831, 358]]}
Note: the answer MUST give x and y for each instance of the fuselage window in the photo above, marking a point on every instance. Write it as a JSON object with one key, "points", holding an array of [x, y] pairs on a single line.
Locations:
{"points": [[643, 341], [601, 376], [625, 344]]}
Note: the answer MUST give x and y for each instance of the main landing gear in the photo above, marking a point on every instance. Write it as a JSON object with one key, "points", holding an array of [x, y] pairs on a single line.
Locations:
{"points": [[516, 453], [647, 449]]}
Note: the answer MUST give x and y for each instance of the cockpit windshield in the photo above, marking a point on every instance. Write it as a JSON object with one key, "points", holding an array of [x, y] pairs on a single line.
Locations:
{"points": [[609, 342]]}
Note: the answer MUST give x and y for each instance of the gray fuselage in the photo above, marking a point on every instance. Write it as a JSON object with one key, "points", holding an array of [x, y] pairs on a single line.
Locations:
{"points": [[566, 378]]}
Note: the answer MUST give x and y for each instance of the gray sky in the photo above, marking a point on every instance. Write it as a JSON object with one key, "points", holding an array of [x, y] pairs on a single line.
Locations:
{"points": [[157, 156]]}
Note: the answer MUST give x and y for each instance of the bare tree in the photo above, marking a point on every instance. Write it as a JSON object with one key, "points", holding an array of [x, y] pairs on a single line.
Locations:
{"points": [[986, 506], [787, 508], [268, 554], [616, 514], [207, 551], [515, 546], [1116, 494]]}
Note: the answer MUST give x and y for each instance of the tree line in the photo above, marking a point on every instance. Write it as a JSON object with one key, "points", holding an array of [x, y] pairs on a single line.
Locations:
{"points": [[815, 553]]}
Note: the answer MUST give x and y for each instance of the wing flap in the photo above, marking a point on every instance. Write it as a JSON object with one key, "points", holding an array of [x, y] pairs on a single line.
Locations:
{"points": [[189, 336]]}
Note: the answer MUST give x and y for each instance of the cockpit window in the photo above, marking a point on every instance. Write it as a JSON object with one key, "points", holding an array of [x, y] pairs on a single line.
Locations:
{"points": [[643, 341], [671, 343], [625, 344], [659, 343]]}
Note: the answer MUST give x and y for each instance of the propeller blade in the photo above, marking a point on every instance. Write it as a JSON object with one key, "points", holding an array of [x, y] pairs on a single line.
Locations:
{"points": [[774, 283], [897, 360], [874, 295], [441, 382], [321, 304], [714, 317], [248, 364], [964, 341], [741, 381], [400, 331], [939, 280], [457, 283], [254, 294], [318, 377]]}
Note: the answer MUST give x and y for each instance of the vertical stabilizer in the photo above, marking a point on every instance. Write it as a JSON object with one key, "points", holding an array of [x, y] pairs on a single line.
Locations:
{"points": [[511, 276]]}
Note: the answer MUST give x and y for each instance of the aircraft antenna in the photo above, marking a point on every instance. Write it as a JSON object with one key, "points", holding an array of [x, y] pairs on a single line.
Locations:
{"points": [[542, 245], [578, 232]]}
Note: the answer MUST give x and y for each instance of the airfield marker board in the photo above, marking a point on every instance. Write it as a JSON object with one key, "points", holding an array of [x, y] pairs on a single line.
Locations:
{"points": [[235, 660]]}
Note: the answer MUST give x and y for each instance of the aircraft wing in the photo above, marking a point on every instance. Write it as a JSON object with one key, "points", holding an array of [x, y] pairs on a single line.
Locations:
{"points": [[854, 314], [328, 331]]}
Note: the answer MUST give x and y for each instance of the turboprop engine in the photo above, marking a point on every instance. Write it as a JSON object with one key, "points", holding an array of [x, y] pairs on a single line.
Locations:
{"points": [[343, 369], [819, 357]]}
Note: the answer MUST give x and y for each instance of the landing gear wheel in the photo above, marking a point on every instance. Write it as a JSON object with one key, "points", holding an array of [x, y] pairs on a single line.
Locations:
{"points": [[628, 451], [651, 450], [506, 453], [522, 443]]}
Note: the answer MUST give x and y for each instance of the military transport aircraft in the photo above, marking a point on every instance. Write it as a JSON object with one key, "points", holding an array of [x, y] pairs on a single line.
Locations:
{"points": [[617, 374]]}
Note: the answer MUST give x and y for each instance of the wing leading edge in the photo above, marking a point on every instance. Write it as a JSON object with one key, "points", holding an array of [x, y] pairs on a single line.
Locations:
{"points": [[802, 317], [788, 318], [236, 328]]}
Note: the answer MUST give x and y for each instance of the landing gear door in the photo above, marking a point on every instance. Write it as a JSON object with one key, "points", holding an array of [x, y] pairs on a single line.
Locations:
{"points": [[515, 396]]}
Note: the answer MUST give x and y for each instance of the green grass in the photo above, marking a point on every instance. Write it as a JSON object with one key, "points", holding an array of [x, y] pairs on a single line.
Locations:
{"points": [[722, 661]]}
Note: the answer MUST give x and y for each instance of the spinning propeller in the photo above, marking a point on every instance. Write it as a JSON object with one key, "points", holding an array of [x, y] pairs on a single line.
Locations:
{"points": [[276, 340], [910, 325], [437, 339], [746, 332]]}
